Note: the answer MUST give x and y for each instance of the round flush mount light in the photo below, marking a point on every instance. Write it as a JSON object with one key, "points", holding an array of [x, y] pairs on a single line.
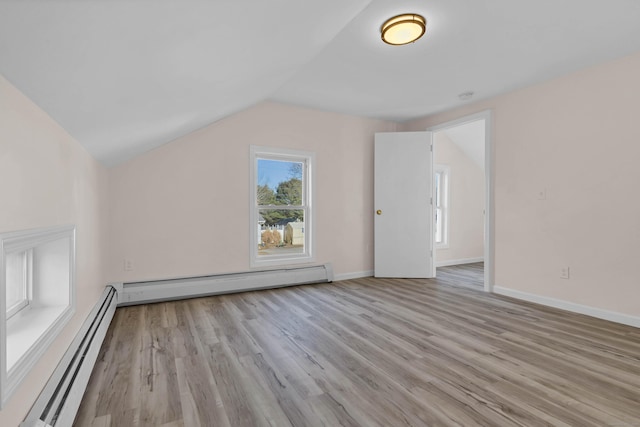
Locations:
{"points": [[403, 29]]}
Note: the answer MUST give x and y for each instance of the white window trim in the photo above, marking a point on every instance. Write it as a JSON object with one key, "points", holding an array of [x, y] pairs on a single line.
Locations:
{"points": [[52, 319], [308, 192], [446, 204], [28, 285]]}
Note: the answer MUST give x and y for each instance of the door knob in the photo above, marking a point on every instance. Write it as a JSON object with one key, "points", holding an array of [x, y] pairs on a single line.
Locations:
{"points": [[379, 212]]}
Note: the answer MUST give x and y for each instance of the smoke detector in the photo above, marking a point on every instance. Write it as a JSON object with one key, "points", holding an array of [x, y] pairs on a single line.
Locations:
{"points": [[465, 96]]}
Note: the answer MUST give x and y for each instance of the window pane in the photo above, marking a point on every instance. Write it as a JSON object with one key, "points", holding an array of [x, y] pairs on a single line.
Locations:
{"points": [[281, 232], [16, 279], [279, 182], [438, 234], [438, 177], [281, 214]]}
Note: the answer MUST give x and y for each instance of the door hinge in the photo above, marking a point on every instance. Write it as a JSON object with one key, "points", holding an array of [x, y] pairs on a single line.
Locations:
{"points": [[431, 148]]}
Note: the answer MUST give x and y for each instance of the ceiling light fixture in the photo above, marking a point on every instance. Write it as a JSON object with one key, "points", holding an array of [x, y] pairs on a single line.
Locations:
{"points": [[403, 29]]}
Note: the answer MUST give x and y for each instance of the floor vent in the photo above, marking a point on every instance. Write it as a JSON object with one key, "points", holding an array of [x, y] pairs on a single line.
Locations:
{"points": [[166, 290], [60, 399]]}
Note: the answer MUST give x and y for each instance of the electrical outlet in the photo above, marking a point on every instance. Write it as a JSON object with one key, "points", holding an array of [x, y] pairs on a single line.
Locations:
{"points": [[542, 194], [128, 265], [564, 272]]}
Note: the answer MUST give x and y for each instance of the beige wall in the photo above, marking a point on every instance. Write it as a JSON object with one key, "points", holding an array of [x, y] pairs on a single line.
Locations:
{"points": [[48, 179], [466, 202], [578, 138], [183, 209]]}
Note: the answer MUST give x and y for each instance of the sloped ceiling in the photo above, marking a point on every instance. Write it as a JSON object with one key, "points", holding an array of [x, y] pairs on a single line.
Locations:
{"points": [[470, 138], [124, 77]]}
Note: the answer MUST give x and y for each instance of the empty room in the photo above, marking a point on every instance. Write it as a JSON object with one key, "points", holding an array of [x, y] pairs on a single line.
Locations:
{"points": [[324, 213]]}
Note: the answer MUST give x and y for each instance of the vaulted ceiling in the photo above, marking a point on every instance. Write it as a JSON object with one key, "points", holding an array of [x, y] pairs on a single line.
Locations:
{"points": [[124, 77], [469, 137]]}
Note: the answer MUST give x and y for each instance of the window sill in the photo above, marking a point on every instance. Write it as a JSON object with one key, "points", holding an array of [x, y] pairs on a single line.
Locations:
{"points": [[27, 332], [50, 273]]}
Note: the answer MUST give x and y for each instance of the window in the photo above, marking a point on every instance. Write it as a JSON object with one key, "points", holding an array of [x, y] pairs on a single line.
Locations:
{"points": [[18, 283], [281, 209], [37, 280], [441, 205]]}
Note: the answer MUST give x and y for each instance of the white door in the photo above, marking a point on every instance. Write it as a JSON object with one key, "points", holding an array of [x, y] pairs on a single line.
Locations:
{"points": [[403, 214]]}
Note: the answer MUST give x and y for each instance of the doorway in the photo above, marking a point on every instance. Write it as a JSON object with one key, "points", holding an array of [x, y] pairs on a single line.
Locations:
{"points": [[463, 194]]}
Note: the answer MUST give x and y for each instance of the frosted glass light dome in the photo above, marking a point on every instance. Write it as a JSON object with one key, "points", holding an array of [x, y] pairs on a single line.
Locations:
{"points": [[403, 29]]}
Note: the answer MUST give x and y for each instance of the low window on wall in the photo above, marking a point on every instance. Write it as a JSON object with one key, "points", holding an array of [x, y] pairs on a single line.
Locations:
{"points": [[282, 218], [37, 280]]}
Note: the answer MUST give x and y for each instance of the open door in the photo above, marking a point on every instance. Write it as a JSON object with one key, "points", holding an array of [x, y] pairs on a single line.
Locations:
{"points": [[403, 186]]}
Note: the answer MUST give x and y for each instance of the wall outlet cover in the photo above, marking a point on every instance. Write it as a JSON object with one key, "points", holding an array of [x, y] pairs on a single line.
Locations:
{"points": [[542, 194]]}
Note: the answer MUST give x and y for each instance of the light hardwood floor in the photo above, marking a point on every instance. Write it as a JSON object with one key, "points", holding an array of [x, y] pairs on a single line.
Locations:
{"points": [[365, 352]]}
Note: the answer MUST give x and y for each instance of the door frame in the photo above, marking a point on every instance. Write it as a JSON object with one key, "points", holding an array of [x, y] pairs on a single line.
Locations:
{"points": [[489, 219]]}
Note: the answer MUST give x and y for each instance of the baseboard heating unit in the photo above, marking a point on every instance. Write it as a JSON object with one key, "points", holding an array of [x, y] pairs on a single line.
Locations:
{"points": [[60, 399], [173, 289]]}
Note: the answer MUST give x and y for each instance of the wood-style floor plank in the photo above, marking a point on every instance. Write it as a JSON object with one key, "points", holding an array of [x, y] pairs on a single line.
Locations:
{"points": [[364, 352]]}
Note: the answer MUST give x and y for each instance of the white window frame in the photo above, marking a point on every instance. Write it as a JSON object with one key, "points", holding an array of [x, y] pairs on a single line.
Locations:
{"points": [[308, 191], [26, 333], [445, 179], [27, 275]]}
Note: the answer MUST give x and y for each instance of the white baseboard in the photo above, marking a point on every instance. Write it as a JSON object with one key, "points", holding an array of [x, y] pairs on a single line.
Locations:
{"points": [[356, 275], [191, 287], [458, 261], [599, 313]]}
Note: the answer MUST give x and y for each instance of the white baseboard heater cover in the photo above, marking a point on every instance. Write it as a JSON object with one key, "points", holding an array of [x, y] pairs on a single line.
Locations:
{"points": [[173, 289], [60, 399]]}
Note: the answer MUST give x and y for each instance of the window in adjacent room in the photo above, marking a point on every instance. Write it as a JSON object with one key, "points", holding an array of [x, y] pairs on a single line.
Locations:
{"points": [[441, 205], [37, 281], [281, 230]]}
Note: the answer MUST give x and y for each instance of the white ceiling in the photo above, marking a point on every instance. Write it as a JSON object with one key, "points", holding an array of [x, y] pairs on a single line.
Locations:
{"points": [[124, 77]]}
